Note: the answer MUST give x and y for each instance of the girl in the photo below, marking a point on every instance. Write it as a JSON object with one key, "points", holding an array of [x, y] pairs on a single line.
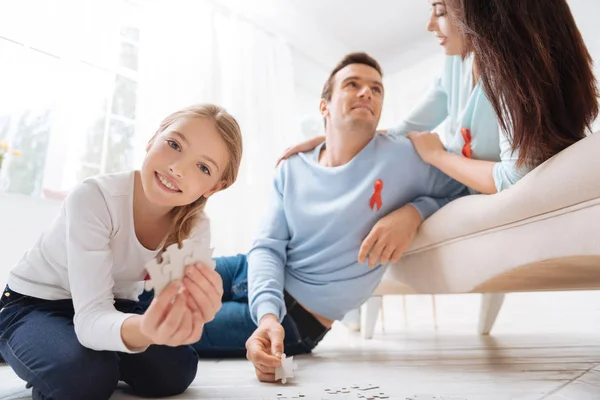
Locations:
{"points": [[70, 322], [517, 88]]}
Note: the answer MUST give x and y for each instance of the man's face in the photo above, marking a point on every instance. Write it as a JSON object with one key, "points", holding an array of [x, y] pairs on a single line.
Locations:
{"points": [[356, 99]]}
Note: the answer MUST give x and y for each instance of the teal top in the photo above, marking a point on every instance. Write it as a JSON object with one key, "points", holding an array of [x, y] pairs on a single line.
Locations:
{"points": [[454, 97]]}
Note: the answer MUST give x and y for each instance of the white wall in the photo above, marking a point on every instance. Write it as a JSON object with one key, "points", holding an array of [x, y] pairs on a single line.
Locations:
{"points": [[405, 88], [309, 75], [23, 218], [587, 13]]}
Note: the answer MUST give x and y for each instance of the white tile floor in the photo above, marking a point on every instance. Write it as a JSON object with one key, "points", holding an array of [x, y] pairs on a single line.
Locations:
{"points": [[544, 346]]}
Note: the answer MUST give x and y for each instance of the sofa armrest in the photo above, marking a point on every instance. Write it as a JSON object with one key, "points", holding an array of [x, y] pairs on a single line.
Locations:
{"points": [[569, 178]]}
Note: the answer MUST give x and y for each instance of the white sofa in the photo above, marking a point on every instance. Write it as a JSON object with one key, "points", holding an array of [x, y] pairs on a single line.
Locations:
{"points": [[541, 234]]}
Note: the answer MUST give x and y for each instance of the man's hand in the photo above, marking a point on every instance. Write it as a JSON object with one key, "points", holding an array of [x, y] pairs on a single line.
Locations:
{"points": [[428, 145], [265, 347], [391, 236]]}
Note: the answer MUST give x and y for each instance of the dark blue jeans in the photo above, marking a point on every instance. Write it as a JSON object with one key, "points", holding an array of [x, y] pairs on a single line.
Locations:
{"points": [[37, 339], [226, 335]]}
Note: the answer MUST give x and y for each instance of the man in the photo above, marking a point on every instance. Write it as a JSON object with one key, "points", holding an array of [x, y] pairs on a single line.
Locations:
{"points": [[307, 267]]}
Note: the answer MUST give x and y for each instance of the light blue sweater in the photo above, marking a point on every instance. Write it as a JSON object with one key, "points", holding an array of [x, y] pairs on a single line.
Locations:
{"points": [[455, 98], [318, 216]]}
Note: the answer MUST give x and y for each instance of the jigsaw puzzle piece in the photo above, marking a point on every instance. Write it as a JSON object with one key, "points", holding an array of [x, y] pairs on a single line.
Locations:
{"points": [[175, 258], [203, 254], [173, 263], [288, 366], [158, 279]]}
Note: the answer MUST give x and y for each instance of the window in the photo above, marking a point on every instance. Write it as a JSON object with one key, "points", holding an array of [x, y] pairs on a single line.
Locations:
{"points": [[26, 113], [69, 92], [110, 140]]}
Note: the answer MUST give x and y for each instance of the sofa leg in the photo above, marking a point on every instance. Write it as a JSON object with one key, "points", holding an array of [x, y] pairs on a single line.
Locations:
{"points": [[405, 310], [352, 320], [368, 316], [434, 311], [490, 306]]}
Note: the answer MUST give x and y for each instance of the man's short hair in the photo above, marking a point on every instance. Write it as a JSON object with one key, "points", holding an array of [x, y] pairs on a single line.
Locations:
{"points": [[353, 58]]}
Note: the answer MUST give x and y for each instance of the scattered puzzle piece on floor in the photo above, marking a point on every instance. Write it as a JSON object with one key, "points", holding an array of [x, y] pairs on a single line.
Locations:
{"points": [[288, 366], [358, 392], [361, 392], [433, 397], [368, 387]]}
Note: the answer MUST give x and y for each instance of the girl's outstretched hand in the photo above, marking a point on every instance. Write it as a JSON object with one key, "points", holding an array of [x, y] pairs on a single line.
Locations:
{"points": [[205, 289], [169, 321]]}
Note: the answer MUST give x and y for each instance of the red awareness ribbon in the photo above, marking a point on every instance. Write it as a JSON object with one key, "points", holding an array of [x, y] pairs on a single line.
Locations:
{"points": [[466, 134], [376, 198]]}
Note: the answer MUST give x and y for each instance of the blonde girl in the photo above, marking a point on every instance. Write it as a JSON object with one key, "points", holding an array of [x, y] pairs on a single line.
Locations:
{"points": [[71, 325]]}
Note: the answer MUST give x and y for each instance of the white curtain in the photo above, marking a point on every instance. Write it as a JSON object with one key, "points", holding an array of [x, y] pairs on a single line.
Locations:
{"points": [[404, 89], [196, 52], [56, 72]]}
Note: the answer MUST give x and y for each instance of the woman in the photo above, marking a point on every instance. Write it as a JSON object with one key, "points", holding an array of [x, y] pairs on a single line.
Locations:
{"points": [[517, 88]]}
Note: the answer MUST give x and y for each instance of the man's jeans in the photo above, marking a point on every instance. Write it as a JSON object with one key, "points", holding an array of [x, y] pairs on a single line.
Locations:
{"points": [[226, 335]]}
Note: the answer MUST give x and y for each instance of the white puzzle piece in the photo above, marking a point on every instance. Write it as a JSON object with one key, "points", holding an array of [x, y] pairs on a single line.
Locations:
{"points": [[174, 257], [203, 255], [158, 278], [288, 366], [173, 264]]}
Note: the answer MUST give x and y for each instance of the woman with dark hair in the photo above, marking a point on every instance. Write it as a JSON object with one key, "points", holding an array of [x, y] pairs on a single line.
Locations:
{"points": [[517, 88], [531, 62]]}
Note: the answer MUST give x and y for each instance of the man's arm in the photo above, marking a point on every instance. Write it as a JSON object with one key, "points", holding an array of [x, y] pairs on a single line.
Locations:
{"points": [[439, 190], [267, 258], [266, 272], [393, 234]]}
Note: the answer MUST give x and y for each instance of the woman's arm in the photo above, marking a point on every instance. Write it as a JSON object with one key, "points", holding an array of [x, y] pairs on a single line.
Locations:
{"points": [[429, 112], [506, 173], [486, 177], [301, 148], [475, 174]]}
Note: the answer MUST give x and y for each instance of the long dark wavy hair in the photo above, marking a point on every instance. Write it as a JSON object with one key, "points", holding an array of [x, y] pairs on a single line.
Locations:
{"points": [[535, 70]]}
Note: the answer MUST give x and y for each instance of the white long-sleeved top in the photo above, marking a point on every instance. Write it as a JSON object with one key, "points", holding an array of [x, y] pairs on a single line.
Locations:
{"points": [[91, 255]]}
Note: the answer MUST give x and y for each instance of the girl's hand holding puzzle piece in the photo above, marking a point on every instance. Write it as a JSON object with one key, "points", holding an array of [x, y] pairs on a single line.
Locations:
{"points": [[178, 314]]}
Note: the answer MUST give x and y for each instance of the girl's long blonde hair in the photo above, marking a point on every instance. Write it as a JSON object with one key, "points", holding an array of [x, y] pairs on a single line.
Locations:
{"points": [[185, 217]]}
